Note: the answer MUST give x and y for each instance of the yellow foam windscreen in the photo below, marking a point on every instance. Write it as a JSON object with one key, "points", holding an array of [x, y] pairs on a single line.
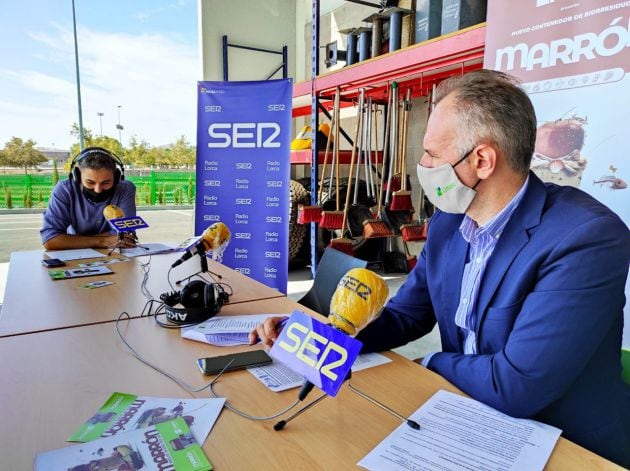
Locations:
{"points": [[358, 299], [216, 235], [112, 211]]}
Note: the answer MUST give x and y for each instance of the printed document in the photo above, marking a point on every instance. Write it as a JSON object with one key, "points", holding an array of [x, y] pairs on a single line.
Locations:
{"points": [[460, 433], [278, 377], [74, 254], [225, 331]]}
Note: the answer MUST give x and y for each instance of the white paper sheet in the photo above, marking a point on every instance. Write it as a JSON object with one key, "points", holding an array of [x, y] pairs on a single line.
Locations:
{"points": [[74, 254], [460, 433], [225, 331], [278, 377], [147, 249]]}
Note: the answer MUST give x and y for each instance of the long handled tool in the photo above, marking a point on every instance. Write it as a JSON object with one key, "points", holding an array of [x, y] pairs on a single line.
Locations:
{"points": [[357, 213], [412, 260], [378, 227], [416, 231], [334, 219], [308, 214], [401, 199], [342, 243]]}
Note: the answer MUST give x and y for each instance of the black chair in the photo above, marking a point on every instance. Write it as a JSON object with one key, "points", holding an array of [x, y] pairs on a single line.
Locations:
{"points": [[332, 266]]}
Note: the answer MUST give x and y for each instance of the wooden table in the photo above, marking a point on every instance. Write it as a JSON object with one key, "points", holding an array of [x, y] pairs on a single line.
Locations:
{"points": [[54, 381], [33, 302]]}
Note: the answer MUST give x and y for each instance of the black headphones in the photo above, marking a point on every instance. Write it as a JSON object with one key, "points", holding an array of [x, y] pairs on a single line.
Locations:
{"points": [[200, 300], [75, 171]]}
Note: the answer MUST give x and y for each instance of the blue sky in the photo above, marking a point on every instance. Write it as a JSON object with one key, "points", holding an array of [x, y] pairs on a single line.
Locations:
{"points": [[140, 54]]}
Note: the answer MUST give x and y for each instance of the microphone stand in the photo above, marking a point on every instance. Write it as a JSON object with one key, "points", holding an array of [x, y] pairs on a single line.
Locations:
{"points": [[203, 262], [118, 245], [411, 423]]}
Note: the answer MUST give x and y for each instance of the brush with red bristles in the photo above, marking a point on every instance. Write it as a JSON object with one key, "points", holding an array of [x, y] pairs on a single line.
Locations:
{"points": [[401, 200], [373, 228], [342, 243], [333, 219], [308, 214]]}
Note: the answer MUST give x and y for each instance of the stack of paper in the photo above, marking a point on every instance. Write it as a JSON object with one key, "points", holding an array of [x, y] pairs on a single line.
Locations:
{"points": [[225, 331]]}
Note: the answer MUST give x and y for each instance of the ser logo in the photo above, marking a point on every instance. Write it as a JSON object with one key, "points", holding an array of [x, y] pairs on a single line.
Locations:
{"points": [[305, 343], [243, 235], [244, 135], [276, 219], [269, 254], [128, 224]]}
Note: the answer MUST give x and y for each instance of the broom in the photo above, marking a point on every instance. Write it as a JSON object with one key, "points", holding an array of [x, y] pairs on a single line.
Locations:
{"points": [[342, 243], [416, 231], [358, 212], [412, 260], [401, 200], [308, 214], [334, 219], [373, 228]]}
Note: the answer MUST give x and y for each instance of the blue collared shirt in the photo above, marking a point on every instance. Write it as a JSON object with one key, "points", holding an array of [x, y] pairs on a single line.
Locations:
{"points": [[481, 243], [69, 212]]}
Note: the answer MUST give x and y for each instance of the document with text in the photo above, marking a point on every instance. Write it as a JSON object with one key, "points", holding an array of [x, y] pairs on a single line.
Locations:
{"points": [[225, 331], [74, 254], [457, 432], [279, 377]]}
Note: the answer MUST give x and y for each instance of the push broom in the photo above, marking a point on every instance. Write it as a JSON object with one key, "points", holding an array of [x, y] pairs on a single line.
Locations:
{"points": [[416, 231], [343, 244], [308, 214], [412, 260], [373, 228], [333, 220], [401, 199]]}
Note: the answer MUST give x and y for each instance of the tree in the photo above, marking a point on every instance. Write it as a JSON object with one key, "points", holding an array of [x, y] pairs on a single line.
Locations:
{"points": [[182, 153], [107, 142], [139, 153], [55, 174], [20, 153]]}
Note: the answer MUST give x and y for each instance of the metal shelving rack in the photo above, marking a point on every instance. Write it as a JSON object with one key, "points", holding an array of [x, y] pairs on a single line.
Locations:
{"points": [[416, 67]]}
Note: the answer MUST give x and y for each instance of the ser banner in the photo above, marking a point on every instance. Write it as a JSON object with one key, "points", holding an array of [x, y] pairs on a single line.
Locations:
{"points": [[243, 166], [573, 59]]}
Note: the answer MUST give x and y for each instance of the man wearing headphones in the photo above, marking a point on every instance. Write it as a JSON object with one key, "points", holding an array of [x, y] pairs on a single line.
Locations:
{"points": [[74, 218]]}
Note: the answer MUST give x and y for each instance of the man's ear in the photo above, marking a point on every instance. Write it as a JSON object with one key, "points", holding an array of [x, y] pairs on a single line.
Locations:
{"points": [[485, 160]]}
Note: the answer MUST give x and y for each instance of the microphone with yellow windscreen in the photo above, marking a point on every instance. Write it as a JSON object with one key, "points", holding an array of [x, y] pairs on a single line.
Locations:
{"points": [[216, 238], [111, 211], [358, 300]]}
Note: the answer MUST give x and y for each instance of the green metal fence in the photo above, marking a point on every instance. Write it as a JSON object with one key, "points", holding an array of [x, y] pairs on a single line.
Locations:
{"points": [[152, 189]]}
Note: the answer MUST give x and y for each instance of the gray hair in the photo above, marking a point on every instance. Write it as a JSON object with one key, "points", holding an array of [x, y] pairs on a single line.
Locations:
{"points": [[490, 105]]}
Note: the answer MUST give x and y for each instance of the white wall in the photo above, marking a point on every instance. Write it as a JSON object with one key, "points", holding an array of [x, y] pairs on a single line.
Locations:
{"points": [[267, 24]]}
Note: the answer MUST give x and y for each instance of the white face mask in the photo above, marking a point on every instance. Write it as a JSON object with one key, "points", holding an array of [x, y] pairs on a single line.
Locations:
{"points": [[444, 188]]}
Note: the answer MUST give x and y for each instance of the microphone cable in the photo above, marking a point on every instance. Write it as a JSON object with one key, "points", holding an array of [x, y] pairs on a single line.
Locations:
{"points": [[190, 389], [146, 270]]}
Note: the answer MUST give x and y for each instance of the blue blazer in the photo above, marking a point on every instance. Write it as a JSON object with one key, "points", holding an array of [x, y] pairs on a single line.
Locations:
{"points": [[548, 318]]}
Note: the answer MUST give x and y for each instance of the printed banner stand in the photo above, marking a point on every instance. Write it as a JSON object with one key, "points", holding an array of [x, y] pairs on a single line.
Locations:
{"points": [[573, 60], [243, 167]]}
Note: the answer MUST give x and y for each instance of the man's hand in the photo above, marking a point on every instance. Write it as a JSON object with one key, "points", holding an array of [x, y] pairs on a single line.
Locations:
{"points": [[267, 332]]}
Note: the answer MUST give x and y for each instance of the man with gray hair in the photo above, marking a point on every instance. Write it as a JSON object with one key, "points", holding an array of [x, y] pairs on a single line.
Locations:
{"points": [[524, 279]]}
